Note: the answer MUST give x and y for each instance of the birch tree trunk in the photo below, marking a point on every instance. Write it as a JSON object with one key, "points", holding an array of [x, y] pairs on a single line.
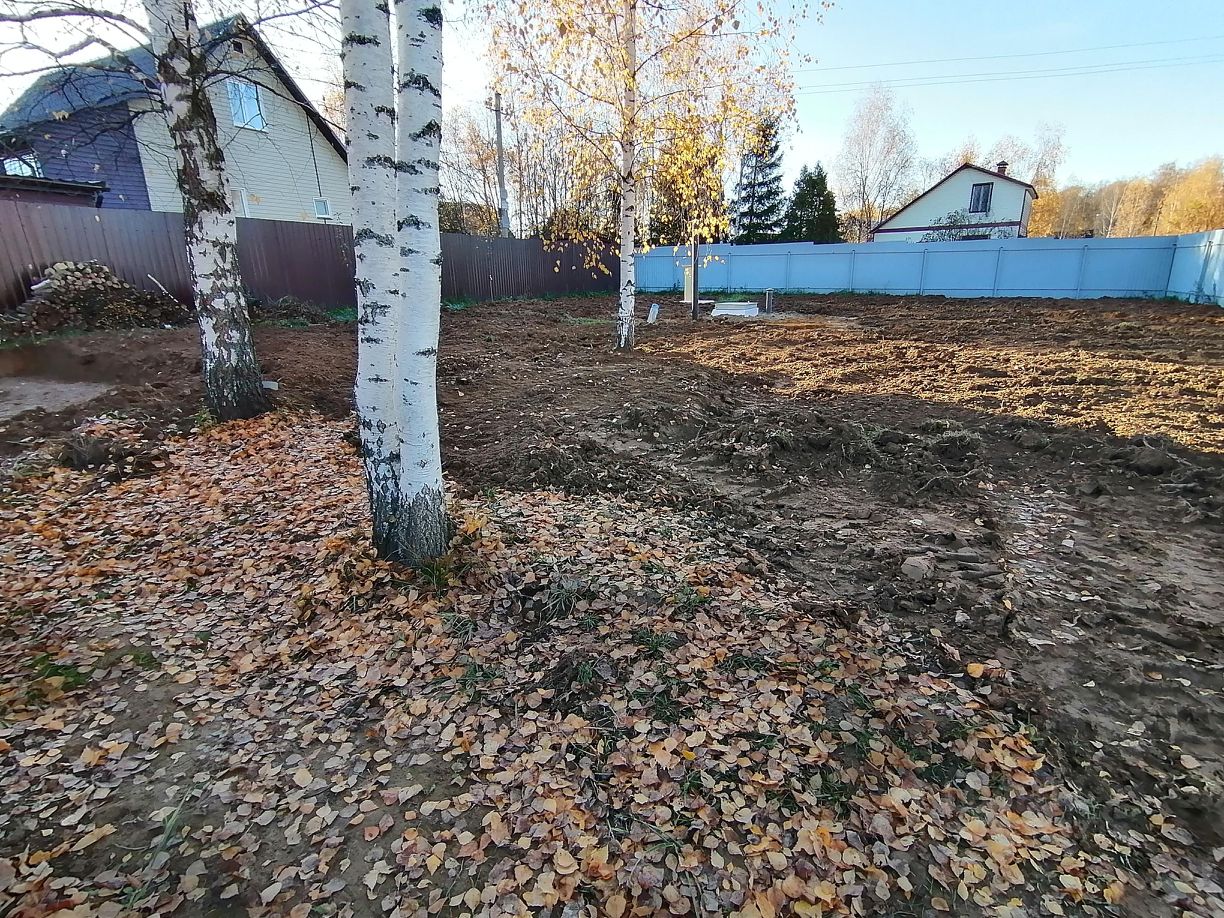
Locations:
{"points": [[394, 134], [233, 387], [628, 184], [422, 531], [370, 99]]}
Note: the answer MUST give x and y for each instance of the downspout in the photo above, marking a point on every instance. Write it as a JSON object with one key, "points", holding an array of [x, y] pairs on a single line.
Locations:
{"points": [[314, 159]]}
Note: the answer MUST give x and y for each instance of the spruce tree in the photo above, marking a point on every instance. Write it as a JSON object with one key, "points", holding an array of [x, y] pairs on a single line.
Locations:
{"points": [[759, 205], [811, 215]]}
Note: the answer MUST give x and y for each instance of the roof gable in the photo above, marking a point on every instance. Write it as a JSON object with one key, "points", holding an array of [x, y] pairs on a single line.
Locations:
{"points": [[129, 75], [994, 176]]}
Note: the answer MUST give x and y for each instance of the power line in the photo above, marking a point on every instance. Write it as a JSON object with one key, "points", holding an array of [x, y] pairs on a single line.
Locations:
{"points": [[824, 89], [919, 80], [996, 57]]}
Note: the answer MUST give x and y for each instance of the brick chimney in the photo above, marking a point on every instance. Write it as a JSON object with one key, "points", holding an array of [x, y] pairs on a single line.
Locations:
{"points": [[1001, 167]]}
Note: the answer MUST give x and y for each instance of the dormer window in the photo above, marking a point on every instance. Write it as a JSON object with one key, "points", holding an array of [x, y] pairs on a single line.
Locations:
{"points": [[979, 199], [24, 163], [244, 104]]}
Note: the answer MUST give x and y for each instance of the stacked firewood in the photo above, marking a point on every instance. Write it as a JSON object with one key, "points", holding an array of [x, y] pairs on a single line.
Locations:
{"points": [[85, 295]]}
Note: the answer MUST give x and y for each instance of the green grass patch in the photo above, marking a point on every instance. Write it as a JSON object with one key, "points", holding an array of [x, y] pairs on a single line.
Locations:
{"points": [[45, 667], [655, 642], [343, 315], [584, 320]]}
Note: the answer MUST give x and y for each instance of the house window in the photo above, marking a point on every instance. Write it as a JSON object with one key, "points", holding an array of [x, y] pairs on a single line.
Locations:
{"points": [[979, 200], [244, 104], [24, 163], [323, 208]]}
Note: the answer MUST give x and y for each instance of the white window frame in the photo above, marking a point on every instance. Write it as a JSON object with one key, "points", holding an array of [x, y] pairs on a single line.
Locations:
{"points": [[244, 203], [243, 93], [988, 194], [26, 162], [325, 214]]}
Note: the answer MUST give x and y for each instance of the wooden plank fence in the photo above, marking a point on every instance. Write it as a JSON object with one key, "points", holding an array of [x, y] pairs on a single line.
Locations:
{"points": [[311, 261]]}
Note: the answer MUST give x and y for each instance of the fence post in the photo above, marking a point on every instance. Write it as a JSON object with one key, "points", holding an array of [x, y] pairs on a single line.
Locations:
{"points": [[853, 252], [786, 273], [730, 265], [994, 285], [1199, 292], [922, 273], [1172, 262], [1079, 280]]}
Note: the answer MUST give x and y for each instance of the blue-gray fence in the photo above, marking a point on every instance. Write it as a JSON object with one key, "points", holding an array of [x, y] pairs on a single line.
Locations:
{"points": [[1189, 267]]}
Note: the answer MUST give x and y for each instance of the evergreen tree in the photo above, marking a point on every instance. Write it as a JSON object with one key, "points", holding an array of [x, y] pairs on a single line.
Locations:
{"points": [[759, 201], [811, 215]]}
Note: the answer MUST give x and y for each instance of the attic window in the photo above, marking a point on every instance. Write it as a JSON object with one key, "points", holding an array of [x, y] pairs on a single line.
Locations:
{"points": [[24, 163], [244, 104], [322, 209], [979, 199], [237, 46]]}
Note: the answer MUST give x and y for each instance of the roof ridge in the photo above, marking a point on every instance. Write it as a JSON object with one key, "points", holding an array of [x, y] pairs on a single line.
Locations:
{"points": [[87, 85]]}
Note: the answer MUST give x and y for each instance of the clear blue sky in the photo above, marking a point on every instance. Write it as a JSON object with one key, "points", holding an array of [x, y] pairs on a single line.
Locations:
{"points": [[1117, 124]]}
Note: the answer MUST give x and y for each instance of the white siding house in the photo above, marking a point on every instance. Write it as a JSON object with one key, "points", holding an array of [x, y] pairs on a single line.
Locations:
{"points": [[970, 203], [281, 165], [99, 122]]}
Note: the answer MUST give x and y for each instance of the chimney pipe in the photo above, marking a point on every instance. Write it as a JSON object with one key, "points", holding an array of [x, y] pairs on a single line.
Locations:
{"points": [[1001, 167]]}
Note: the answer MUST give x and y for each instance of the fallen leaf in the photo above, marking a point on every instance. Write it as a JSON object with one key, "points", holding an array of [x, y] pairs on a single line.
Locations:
{"points": [[564, 862], [93, 836]]}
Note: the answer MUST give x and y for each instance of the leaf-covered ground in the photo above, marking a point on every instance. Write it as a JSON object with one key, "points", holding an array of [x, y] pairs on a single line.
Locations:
{"points": [[215, 701]]}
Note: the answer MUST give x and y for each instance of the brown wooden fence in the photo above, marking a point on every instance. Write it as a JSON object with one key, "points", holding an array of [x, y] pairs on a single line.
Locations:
{"points": [[311, 261]]}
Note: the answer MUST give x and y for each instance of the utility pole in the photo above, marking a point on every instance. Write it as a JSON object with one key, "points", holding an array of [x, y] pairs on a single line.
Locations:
{"points": [[503, 203]]}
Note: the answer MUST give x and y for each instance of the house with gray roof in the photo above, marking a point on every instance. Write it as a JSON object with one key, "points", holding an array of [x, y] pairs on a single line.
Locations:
{"points": [[100, 123]]}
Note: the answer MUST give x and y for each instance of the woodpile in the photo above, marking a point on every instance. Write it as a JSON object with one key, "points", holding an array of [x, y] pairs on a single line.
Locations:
{"points": [[83, 295]]}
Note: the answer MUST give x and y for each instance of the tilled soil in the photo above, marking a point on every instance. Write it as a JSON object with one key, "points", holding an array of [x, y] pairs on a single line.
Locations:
{"points": [[1037, 482]]}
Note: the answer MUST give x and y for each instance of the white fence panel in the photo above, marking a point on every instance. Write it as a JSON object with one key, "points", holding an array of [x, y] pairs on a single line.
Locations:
{"points": [[882, 271], [967, 270], [1188, 267], [817, 272], [1197, 272]]}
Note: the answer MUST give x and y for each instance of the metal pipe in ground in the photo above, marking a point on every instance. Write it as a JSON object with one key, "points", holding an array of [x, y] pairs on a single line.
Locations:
{"points": [[693, 269]]}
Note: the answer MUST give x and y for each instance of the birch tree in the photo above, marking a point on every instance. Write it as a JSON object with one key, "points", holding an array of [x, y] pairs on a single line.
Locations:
{"points": [[614, 71], [556, 187], [395, 126], [876, 163], [233, 387]]}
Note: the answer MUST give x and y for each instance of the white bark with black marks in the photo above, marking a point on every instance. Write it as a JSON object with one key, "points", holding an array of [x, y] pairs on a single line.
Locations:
{"points": [[627, 223], [394, 134], [233, 387], [370, 99], [423, 532]]}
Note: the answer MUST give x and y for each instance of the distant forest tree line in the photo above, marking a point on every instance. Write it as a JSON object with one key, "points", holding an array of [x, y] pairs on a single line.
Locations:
{"points": [[877, 171]]}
